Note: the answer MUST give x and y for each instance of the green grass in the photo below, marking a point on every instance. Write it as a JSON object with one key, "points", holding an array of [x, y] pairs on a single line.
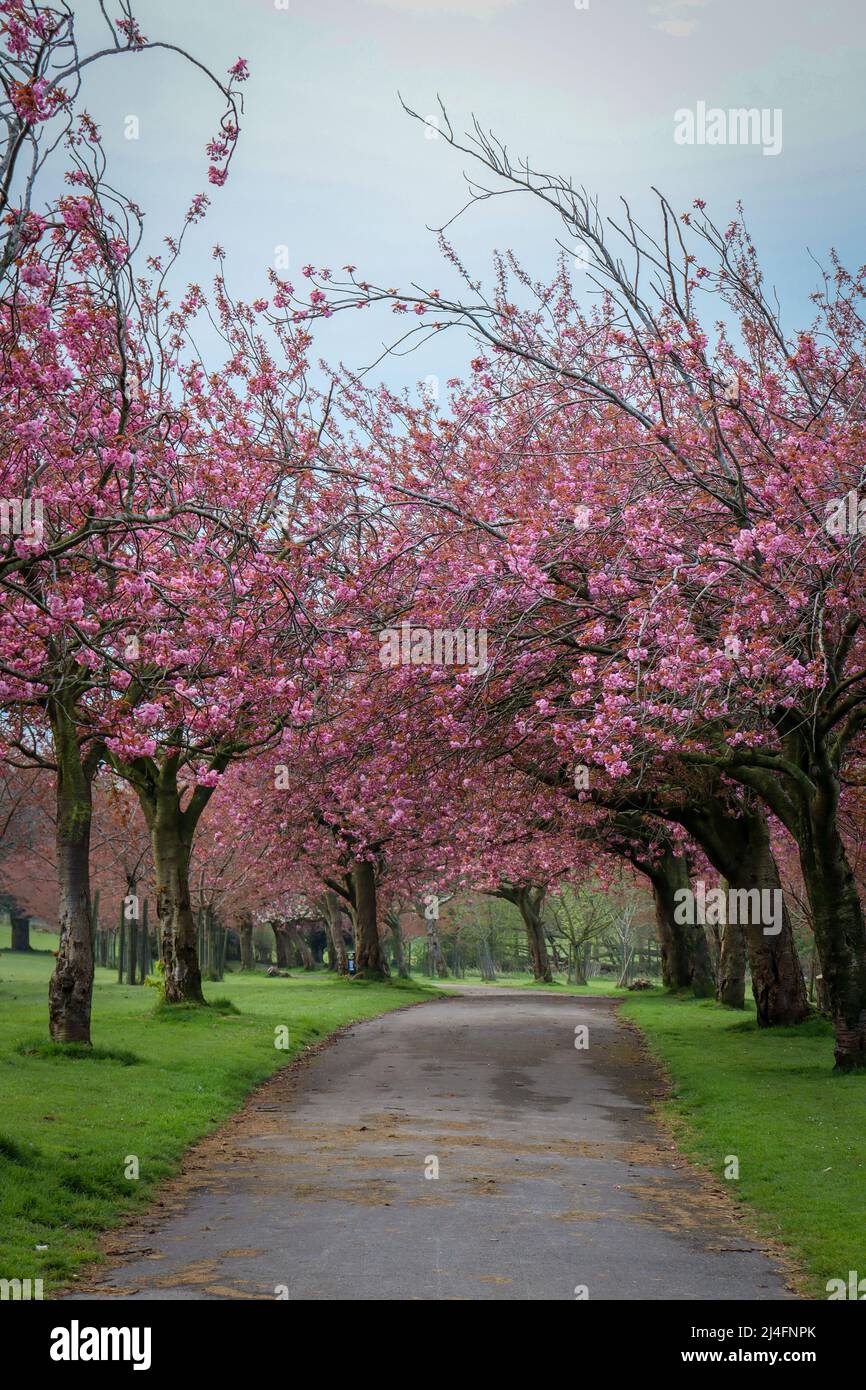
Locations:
{"points": [[769, 1097], [156, 1081], [603, 984]]}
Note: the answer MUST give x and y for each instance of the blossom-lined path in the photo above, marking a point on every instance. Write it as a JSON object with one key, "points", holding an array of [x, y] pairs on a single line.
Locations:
{"points": [[552, 1174]]}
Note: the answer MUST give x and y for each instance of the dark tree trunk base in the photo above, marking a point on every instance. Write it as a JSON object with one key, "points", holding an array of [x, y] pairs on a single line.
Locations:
{"points": [[370, 963], [21, 934], [850, 1050], [245, 937]]}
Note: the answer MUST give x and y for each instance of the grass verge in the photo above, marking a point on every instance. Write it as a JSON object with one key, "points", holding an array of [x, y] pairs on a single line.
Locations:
{"points": [[602, 984], [770, 1099], [157, 1081]]}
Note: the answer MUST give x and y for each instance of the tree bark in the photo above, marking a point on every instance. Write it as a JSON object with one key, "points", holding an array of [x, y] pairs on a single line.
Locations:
{"points": [[685, 953], [70, 991], [301, 946], [334, 927], [20, 932], [393, 919], [178, 945], [528, 901], [485, 961], [440, 965], [369, 958], [245, 937], [838, 924], [577, 964], [737, 843], [172, 828], [777, 977], [732, 965], [672, 936], [282, 945]]}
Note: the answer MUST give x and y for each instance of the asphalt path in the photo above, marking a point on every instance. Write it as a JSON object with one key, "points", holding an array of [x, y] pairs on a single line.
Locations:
{"points": [[554, 1180]]}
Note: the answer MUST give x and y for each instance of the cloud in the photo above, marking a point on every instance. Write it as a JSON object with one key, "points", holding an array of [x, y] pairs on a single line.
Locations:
{"points": [[677, 23]]}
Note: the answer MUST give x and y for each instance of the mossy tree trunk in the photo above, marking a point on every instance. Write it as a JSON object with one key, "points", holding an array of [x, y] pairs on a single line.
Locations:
{"points": [[172, 826], [70, 990]]}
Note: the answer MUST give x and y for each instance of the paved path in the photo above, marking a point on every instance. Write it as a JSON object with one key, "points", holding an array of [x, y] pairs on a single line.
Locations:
{"points": [[552, 1174]]}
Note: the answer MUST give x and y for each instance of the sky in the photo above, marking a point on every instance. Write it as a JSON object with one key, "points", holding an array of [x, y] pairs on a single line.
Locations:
{"points": [[330, 166]]}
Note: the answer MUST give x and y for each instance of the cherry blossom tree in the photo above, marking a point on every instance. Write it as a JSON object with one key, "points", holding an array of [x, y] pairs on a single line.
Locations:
{"points": [[690, 558], [93, 451]]}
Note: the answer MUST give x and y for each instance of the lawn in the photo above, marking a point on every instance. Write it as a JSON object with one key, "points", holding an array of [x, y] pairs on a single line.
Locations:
{"points": [[157, 1083], [771, 1099], [604, 984]]}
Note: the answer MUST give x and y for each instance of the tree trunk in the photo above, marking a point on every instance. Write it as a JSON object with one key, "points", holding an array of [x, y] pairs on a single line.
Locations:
{"points": [[329, 947], [585, 963], [440, 965], [673, 943], [369, 959], [625, 970], [334, 927], [822, 998], [703, 976], [171, 836], [145, 942], [529, 902], [132, 932], [777, 978], [738, 844], [485, 961], [20, 932], [578, 961], [245, 937], [301, 945], [70, 991], [685, 954], [838, 924], [282, 945], [393, 919], [178, 946], [732, 965]]}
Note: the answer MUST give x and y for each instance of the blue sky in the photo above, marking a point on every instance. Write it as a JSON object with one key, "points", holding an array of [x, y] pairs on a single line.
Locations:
{"points": [[329, 165]]}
